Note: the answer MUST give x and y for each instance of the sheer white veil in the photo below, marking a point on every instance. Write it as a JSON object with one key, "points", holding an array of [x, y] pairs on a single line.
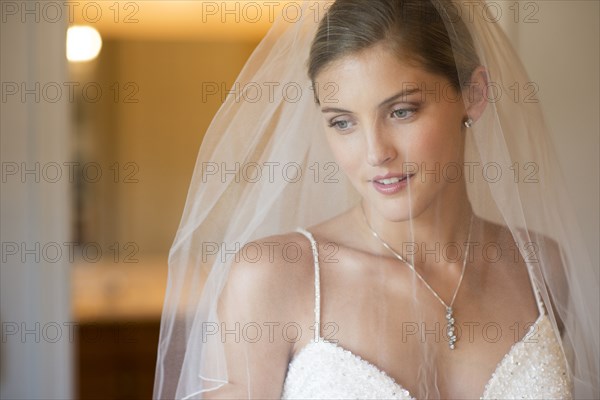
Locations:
{"points": [[265, 168]]}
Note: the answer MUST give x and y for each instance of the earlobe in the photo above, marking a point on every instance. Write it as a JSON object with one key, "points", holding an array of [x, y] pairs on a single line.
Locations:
{"points": [[476, 96]]}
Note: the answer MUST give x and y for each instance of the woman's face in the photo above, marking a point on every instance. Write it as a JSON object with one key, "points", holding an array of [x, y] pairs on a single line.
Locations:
{"points": [[388, 119]]}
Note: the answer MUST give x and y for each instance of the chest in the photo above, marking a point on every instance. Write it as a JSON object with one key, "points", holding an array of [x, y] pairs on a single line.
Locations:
{"points": [[531, 369]]}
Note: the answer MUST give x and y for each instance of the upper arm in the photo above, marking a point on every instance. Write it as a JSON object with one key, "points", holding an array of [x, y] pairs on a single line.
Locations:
{"points": [[255, 303]]}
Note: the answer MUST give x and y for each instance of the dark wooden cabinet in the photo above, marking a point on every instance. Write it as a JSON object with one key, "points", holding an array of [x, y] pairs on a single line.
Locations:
{"points": [[116, 360]]}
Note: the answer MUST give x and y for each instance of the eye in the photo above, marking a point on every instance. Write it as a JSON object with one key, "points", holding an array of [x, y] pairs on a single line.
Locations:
{"points": [[340, 124], [403, 113]]}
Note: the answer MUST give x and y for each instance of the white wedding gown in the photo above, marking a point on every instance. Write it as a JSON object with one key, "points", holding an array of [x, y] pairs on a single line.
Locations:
{"points": [[325, 370]]}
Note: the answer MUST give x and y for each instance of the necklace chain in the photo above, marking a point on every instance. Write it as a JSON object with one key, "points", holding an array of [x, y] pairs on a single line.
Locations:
{"points": [[449, 310]]}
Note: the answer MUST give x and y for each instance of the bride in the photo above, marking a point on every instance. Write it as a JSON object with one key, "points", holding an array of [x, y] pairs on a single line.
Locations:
{"points": [[408, 240]]}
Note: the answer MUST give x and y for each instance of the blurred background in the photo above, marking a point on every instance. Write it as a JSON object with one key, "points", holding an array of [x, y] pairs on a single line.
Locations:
{"points": [[104, 106]]}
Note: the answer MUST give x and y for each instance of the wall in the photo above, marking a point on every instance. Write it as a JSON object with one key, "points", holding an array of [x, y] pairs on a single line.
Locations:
{"points": [[37, 329], [157, 125], [559, 42]]}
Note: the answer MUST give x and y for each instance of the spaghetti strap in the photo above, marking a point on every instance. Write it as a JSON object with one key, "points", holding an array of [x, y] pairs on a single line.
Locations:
{"points": [[315, 252], [536, 292]]}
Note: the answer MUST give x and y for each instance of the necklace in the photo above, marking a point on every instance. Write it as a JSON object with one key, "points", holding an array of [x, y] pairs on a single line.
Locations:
{"points": [[449, 310]]}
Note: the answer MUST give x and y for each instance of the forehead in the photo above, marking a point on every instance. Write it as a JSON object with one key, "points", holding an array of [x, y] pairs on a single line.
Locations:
{"points": [[369, 76]]}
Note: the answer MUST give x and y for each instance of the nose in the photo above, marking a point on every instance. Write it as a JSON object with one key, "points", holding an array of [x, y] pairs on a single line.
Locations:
{"points": [[379, 149]]}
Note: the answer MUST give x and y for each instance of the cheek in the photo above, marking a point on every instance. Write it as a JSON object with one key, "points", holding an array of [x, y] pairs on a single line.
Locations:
{"points": [[347, 155], [436, 142]]}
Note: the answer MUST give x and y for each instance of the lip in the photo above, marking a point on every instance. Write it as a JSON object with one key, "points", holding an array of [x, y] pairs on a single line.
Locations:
{"points": [[390, 175], [391, 188]]}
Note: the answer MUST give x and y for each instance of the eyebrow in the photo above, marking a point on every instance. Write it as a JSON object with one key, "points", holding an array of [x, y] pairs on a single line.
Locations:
{"points": [[406, 92]]}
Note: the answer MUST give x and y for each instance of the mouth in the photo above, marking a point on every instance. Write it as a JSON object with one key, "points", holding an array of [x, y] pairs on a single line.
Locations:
{"points": [[391, 184], [391, 180]]}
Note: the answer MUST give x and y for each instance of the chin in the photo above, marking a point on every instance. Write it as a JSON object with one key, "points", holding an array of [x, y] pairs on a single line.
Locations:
{"points": [[398, 209]]}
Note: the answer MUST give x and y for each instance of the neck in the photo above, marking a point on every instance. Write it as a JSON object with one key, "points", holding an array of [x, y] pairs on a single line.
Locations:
{"points": [[424, 239]]}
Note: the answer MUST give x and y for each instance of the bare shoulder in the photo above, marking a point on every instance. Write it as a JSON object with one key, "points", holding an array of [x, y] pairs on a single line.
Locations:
{"points": [[271, 275], [265, 290], [527, 238], [545, 256], [535, 247], [547, 253]]}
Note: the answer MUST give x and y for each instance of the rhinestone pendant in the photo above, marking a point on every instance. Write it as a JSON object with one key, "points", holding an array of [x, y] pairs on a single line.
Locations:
{"points": [[450, 328]]}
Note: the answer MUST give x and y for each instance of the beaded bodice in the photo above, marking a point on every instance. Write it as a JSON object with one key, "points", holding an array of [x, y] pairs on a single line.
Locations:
{"points": [[532, 369]]}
